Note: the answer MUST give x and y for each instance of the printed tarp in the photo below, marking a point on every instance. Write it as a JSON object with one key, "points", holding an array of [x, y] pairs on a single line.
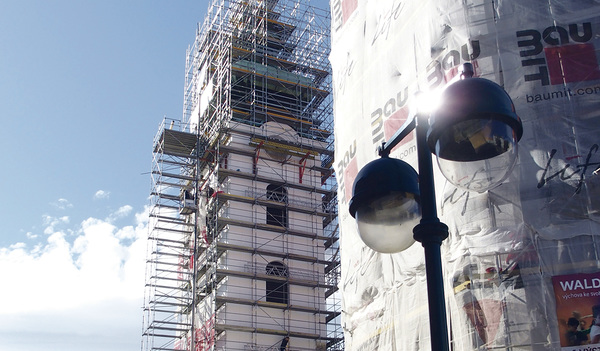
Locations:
{"points": [[506, 244]]}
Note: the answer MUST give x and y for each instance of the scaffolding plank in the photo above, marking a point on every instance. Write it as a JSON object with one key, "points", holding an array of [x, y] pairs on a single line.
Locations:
{"points": [[223, 172], [173, 142], [224, 327], [166, 303], [177, 312], [293, 256], [271, 203], [241, 301], [174, 175], [222, 221], [261, 276], [182, 231]]}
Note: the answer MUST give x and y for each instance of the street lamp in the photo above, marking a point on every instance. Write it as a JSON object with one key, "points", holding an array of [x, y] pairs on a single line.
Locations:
{"points": [[474, 134]]}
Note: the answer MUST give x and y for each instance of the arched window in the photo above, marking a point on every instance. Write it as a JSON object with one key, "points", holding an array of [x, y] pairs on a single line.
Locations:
{"points": [[277, 215], [277, 290]]}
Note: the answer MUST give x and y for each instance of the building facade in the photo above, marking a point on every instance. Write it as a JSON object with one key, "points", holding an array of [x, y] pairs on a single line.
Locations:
{"points": [[243, 250], [522, 260]]}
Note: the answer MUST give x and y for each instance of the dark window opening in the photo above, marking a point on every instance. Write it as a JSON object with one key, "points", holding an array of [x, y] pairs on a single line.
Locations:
{"points": [[277, 215], [277, 290]]}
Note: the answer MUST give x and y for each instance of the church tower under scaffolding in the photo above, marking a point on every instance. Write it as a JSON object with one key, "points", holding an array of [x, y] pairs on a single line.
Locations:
{"points": [[243, 241]]}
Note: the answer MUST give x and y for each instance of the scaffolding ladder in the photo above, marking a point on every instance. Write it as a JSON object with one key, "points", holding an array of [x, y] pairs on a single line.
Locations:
{"points": [[169, 292]]}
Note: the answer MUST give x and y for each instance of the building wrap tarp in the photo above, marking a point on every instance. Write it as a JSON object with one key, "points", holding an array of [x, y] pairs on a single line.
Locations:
{"points": [[522, 259]]}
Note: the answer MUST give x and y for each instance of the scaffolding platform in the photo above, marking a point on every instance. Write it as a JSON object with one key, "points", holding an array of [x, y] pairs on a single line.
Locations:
{"points": [[244, 245]]}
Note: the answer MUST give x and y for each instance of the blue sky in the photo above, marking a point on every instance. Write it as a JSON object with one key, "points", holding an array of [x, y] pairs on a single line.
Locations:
{"points": [[83, 87]]}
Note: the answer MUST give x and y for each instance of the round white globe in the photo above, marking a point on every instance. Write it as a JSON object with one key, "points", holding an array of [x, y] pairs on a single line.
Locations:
{"points": [[385, 224]]}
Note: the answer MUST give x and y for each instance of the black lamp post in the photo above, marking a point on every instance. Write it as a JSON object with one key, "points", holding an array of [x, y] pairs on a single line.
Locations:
{"points": [[475, 126]]}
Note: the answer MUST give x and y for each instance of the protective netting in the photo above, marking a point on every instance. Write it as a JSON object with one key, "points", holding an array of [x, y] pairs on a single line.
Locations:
{"points": [[521, 259]]}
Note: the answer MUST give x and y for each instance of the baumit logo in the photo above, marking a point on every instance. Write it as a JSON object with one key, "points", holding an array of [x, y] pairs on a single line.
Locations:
{"points": [[341, 11], [558, 54]]}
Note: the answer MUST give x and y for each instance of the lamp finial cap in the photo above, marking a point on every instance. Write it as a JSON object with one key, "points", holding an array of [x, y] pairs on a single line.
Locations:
{"points": [[467, 70]]}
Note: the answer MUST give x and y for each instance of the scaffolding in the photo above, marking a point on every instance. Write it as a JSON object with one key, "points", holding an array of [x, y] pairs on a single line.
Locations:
{"points": [[243, 247]]}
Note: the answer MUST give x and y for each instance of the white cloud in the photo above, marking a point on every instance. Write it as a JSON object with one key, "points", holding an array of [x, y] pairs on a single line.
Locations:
{"points": [[90, 287], [52, 223], [142, 217], [122, 212], [62, 204], [30, 235], [101, 194], [17, 246]]}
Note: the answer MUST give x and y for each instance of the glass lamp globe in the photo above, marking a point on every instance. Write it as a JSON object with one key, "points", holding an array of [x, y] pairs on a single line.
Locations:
{"points": [[385, 224], [477, 155], [386, 205], [474, 134]]}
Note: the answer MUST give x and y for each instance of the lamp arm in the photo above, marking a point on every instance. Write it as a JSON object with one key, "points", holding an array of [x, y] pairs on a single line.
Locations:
{"points": [[426, 182], [387, 146]]}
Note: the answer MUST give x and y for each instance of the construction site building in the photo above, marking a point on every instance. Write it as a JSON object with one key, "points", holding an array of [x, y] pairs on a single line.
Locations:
{"points": [[243, 242]]}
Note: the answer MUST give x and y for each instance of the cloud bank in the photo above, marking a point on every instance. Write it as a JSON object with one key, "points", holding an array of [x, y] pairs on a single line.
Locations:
{"points": [[77, 285]]}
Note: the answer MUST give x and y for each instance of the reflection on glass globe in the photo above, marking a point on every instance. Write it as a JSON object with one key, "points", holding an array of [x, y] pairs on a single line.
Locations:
{"points": [[477, 154], [386, 224]]}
